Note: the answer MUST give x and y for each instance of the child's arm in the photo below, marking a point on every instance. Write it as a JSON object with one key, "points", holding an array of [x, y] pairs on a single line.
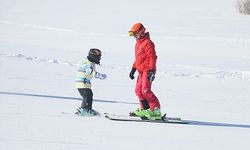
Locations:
{"points": [[88, 70]]}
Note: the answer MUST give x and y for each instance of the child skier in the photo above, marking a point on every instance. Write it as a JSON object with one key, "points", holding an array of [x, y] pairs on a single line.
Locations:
{"points": [[145, 64], [85, 73]]}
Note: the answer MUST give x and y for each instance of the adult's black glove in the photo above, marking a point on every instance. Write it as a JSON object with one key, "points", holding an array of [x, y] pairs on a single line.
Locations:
{"points": [[131, 74], [151, 75]]}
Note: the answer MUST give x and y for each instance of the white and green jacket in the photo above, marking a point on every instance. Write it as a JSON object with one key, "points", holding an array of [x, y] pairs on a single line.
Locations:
{"points": [[85, 73]]}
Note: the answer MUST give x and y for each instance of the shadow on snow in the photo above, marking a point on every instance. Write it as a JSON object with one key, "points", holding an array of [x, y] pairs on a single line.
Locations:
{"points": [[61, 97], [191, 122], [216, 124]]}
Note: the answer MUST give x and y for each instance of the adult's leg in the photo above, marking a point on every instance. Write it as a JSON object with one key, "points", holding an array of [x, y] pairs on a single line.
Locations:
{"points": [[138, 90], [147, 92]]}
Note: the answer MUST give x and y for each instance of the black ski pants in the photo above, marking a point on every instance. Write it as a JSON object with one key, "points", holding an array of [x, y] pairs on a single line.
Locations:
{"points": [[87, 96]]}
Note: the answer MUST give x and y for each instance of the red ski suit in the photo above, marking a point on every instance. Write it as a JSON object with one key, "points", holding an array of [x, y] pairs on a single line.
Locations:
{"points": [[145, 60]]}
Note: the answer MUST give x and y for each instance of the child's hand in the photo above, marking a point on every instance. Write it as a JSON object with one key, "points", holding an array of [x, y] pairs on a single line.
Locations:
{"points": [[101, 76]]}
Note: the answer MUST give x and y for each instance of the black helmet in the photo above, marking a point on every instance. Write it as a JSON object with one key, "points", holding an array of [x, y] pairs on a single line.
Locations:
{"points": [[95, 55]]}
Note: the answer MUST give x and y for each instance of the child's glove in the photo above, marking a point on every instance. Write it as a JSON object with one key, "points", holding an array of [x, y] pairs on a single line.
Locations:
{"points": [[101, 76]]}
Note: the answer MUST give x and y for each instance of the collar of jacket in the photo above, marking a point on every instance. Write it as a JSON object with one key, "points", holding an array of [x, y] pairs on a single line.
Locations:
{"points": [[146, 36]]}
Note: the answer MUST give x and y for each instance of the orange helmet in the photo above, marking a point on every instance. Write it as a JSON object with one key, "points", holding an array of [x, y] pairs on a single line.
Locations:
{"points": [[137, 28]]}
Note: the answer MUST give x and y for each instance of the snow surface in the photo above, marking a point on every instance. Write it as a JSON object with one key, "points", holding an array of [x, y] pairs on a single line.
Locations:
{"points": [[203, 76]]}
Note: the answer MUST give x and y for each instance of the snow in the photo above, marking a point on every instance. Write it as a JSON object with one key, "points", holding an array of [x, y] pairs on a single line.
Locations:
{"points": [[203, 74]]}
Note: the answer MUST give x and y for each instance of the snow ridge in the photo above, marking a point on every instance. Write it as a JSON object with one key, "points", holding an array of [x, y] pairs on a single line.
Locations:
{"points": [[173, 70], [182, 35], [57, 29], [37, 59], [178, 71]]}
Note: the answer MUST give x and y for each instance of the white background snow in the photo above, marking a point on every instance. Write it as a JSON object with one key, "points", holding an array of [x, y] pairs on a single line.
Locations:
{"points": [[203, 76]]}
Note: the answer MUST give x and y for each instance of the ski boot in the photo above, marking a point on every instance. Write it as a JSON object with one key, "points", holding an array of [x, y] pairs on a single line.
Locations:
{"points": [[86, 112], [152, 115], [138, 113]]}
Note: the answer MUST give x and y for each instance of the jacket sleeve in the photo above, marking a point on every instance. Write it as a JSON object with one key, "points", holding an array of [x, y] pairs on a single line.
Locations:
{"points": [[150, 50], [134, 64], [89, 70]]}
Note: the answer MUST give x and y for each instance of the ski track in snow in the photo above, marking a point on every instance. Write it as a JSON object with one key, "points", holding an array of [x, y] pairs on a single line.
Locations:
{"points": [[173, 37], [56, 29], [173, 70]]}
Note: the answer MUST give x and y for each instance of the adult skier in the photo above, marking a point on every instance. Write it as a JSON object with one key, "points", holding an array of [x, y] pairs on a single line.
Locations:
{"points": [[85, 73], [145, 65]]}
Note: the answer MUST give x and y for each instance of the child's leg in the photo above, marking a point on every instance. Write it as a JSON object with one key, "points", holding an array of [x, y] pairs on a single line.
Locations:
{"points": [[87, 96]]}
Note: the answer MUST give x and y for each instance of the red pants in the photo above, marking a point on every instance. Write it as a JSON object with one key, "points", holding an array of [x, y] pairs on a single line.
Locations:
{"points": [[143, 91]]}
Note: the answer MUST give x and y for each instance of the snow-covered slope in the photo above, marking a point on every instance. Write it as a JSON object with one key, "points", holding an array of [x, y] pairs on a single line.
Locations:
{"points": [[203, 74]]}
